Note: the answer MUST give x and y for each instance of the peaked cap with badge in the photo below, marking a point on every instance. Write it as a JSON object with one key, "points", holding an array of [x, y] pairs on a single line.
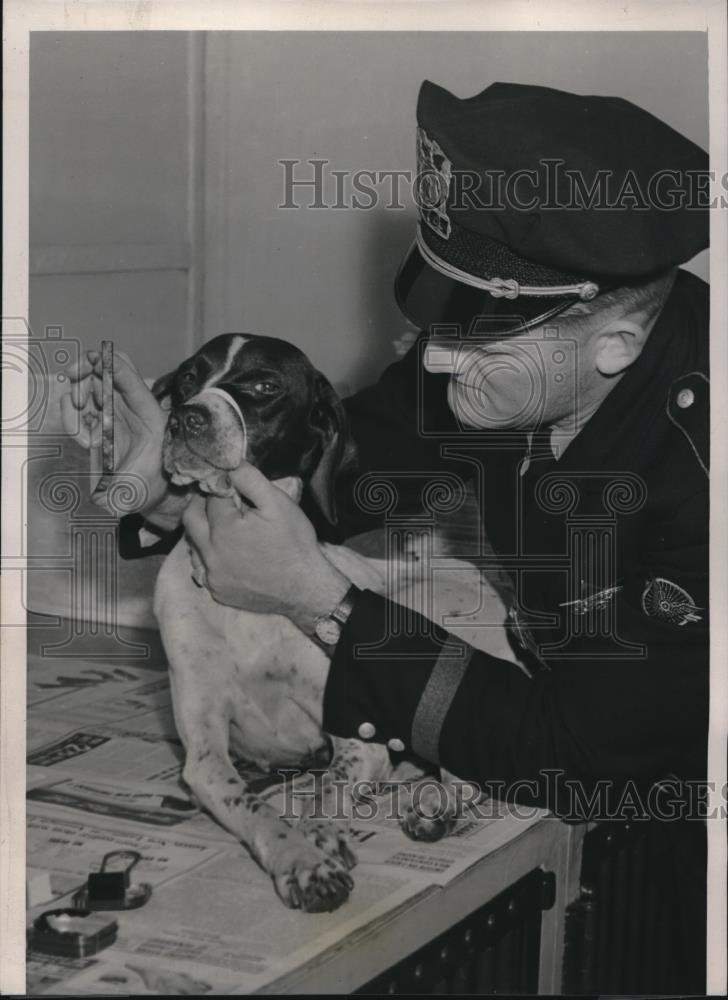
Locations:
{"points": [[531, 199]]}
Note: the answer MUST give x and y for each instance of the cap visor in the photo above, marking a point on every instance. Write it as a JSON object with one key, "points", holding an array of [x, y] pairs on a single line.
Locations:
{"points": [[429, 298]]}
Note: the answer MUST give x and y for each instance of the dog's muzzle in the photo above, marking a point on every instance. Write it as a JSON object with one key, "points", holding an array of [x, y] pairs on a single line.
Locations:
{"points": [[233, 404], [206, 438]]}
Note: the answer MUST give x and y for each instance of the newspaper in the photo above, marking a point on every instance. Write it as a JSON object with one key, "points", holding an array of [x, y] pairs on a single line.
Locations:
{"points": [[104, 774], [132, 699]]}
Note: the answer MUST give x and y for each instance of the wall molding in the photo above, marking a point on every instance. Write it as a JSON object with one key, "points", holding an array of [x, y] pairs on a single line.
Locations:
{"points": [[108, 258]]}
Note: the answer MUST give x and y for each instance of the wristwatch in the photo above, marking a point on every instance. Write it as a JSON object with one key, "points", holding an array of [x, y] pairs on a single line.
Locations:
{"points": [[327, 628]]}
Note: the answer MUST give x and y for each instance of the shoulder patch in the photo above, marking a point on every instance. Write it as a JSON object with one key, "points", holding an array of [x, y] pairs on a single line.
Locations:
{"points": [[665, 600]]}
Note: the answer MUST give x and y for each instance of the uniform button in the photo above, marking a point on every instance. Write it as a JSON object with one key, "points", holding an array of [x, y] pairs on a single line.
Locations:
{"points": [[685, 398], [396, 745], [366, 730]]}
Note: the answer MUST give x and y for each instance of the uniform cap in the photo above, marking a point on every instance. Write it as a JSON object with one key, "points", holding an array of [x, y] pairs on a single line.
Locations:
{"points": [[531, 199]]}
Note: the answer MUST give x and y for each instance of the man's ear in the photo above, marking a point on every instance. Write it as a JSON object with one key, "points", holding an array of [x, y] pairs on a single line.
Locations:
{"points": [[162, 389], [337, 452], [619, 344]]}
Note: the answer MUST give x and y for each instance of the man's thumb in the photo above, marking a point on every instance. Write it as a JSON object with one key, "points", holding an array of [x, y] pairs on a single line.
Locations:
{"points": [[253, 485]]}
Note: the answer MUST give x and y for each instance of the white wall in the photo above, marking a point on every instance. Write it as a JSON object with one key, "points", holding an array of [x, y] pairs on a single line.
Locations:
{"points": [[112, 119], [161, 152]]}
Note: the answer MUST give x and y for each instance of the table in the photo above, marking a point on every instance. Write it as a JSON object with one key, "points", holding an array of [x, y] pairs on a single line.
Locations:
{"points": [[355, 946], [547, 844]]}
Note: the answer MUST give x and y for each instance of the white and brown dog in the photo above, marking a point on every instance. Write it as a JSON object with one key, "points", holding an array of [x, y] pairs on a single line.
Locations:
{"points": [[247, 686]]}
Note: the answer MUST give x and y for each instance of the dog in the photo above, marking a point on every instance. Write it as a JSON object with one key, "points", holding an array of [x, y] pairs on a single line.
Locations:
{"points": [[245, 685]]}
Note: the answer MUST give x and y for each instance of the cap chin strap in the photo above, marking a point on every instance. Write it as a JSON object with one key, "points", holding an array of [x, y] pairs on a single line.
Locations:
{"points": [[507, 288]]}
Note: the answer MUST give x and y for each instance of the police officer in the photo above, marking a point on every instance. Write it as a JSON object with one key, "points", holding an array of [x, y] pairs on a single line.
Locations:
{"points": [[563, 366]]}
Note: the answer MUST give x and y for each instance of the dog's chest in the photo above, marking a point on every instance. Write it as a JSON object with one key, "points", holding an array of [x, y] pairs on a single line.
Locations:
{"points": [[259, 671], [280, 675]]}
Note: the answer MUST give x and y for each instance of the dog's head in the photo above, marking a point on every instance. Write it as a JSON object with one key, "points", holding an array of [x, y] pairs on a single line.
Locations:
{"points": [[257, 399]]}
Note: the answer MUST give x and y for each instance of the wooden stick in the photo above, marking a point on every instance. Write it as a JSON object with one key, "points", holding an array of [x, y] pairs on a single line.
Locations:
{"points": [[107, 407]]}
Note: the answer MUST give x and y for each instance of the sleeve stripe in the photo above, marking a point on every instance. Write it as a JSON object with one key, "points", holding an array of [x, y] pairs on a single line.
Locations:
{"points": [[437, 697]]}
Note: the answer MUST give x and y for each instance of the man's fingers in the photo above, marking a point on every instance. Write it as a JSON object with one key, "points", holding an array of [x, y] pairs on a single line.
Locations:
{"points": [[196, 525], [85, 376], [253, 485], [96, 392], [73, 422], [80, 390], [80, 369], [129, 384], [80, 376], [199, 573], [221, 513]]}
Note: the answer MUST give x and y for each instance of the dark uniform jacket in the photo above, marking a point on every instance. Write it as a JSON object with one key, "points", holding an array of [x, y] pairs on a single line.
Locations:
{"points": [[608, 550]]}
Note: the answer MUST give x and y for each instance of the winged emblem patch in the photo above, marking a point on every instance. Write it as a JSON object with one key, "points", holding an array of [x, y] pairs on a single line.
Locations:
{"points": [[664, 599]]}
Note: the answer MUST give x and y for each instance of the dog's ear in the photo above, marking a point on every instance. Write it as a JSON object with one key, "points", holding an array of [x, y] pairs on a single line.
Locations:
{"points": [[162, 388], [337, 452]]}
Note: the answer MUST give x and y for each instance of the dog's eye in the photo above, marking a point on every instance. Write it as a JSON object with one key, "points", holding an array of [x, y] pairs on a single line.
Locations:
{"points": [[185, 385], [265, 388]]}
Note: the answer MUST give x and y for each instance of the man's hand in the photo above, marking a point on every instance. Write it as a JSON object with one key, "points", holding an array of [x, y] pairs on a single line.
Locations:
{"points": [[139, 424], [266, 558]]}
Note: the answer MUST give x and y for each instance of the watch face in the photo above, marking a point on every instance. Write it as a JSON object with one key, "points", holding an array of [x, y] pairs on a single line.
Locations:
{"points": [[328, 631]]}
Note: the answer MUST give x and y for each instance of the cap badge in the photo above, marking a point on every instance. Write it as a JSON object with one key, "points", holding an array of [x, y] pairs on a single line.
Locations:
{"points": [[665, 600], [434, 172]]}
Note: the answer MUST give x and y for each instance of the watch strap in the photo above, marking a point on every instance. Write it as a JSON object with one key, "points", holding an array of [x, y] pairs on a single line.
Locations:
{"points": [[339, 615], [344, 608]]}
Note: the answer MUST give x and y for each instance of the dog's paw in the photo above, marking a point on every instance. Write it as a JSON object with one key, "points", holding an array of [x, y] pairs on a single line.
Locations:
{"points": [[308, 879], [426, 828], [430, 816], [331, 839]]}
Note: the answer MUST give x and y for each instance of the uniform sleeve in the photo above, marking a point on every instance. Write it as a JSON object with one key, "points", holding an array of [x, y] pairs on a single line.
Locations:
{"points": [[483, 719]]}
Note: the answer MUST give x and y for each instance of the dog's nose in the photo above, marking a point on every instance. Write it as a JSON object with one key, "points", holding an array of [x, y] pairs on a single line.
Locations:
{"points": [[194, 420]]}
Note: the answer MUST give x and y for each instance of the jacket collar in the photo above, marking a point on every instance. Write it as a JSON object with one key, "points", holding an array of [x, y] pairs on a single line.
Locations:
{"points": [[625, 426]]}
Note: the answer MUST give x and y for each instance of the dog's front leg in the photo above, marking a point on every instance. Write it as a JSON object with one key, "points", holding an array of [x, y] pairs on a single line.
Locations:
{"points": [[205, 686], [354, 769], [304, 875]]}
